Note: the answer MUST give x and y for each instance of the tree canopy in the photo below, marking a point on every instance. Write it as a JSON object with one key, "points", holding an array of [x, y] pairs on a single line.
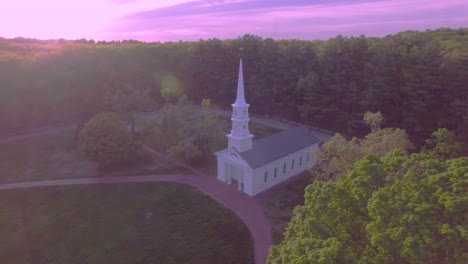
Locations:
{"points": [[417, 80], [106, 140], [184, 135], [373, 120], [339, 155], [399, 208]]}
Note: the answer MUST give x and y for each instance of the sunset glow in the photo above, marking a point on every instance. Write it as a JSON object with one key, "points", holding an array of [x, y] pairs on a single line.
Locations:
{"points": [[53, 18], [156, 20]]}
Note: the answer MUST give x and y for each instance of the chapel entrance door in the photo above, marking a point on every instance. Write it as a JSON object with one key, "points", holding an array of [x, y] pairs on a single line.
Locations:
{"points": [[235, 176]]}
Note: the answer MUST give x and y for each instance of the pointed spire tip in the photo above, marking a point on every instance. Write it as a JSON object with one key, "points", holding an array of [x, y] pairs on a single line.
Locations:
{"points": [[240, 100]]}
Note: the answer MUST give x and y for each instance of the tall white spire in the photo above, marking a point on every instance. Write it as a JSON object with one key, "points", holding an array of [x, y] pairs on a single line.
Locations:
{"points": [[240, 137], [240, 100]]}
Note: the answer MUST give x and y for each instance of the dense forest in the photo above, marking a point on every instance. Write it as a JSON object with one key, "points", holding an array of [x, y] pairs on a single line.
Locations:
{"points": [[417, 80]]}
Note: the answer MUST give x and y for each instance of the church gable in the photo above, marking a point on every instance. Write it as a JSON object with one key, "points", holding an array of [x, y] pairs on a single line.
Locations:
{"points": [[232, 155]]}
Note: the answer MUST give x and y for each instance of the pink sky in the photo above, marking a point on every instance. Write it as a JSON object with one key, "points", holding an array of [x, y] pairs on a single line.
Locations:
{"points": [[174, 20]]}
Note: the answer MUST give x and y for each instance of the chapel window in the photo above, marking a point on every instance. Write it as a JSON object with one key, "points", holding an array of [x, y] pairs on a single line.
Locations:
{"points": [[276, 170], [265, 176], [300, 161], [292, 164], [284, 168]]}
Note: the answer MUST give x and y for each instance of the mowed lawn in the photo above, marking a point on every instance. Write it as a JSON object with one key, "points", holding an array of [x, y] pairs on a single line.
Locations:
{"points": [[44, 157], [55, 156], [119, 223]]}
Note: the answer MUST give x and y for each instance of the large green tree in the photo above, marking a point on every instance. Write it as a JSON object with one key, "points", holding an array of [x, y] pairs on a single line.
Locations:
{"points": [[443, 144], [421, 217], [127, 101], [106, 140], [339, 154], [396, 209]]}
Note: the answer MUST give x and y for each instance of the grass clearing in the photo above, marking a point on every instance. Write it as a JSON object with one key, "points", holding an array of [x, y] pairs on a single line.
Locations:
{"points": [[55, 156], [44, 157], [119, 223]]}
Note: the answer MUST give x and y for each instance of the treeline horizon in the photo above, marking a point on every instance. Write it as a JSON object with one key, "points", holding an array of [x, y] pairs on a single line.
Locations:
{"points": [[417, 80]]}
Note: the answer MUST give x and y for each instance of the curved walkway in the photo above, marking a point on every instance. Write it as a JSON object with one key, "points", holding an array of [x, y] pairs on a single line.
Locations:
{"points": [[248, 209], [38, 132]]}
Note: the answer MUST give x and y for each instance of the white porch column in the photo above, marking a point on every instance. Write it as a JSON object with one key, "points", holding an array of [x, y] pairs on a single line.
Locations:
{"points": [[222, 172], [228, 172], [240, 179]]}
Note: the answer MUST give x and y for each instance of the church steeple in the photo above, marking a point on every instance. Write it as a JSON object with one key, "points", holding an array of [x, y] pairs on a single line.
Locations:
{"points": [[240, 100], [240, 138]]}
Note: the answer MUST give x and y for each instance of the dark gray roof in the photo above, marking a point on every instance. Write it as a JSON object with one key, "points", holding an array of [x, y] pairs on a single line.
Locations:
{"points": [[278, 145]]}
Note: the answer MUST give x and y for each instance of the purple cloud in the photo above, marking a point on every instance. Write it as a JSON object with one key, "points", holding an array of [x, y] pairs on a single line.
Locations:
{"points": [[173, 20], [123, 1], [303, 19], [212, 7]]}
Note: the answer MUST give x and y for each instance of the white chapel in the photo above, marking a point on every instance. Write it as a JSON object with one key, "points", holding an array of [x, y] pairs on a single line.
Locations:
{"points": [[257, 165]]}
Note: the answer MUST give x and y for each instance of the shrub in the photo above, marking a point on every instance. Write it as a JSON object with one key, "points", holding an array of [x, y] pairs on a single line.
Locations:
{"points": [[106, 140]]}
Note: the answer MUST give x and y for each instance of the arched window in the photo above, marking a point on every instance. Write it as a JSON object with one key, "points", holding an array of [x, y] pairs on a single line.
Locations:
{"points": [[265, 176], [292, 164], [284, 168], [300, 161], [276, 170]]}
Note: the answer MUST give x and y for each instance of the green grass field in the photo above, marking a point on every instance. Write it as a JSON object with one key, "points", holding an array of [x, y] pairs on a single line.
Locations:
{"points": [[119, 223], [44, 157], [55, 156]]}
